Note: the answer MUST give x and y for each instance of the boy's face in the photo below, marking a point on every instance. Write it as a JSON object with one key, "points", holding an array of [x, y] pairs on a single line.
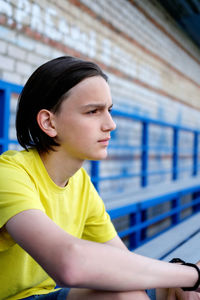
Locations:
{"points": [[83, 123]]}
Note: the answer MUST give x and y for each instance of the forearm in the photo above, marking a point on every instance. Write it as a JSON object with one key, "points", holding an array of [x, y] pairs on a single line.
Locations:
{"points": [[109, 268], [74, 262]]}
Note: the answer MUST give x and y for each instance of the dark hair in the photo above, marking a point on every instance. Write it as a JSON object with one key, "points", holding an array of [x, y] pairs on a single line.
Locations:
{"points": [[46, 89]]}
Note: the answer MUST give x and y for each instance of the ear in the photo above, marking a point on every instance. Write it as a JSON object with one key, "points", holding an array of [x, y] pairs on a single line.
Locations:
{"points": [[45, 120]]}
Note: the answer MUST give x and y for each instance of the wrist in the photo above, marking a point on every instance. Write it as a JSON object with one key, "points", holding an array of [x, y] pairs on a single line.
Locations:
{"points": [[196, 267]]}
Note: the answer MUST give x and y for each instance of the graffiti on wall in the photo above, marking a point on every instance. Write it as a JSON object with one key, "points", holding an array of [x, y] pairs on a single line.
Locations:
{"points": [[51, 24], [59, 25]]}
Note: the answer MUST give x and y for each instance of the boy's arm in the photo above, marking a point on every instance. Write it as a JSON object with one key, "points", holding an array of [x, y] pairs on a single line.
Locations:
{"points": [[79, 263], [116, 242]]}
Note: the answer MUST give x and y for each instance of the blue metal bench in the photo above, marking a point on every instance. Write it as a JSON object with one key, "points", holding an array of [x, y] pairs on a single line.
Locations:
{"points": [[136, 207], [183, 240]]}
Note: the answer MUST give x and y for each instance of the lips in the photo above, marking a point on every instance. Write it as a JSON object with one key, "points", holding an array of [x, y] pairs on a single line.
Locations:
{"points": [[104, 140]]}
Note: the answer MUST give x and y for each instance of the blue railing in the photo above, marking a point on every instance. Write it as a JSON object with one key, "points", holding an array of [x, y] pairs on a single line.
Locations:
{"points": [[137, 229], [143, 152], [6, 92], [145, 149]]}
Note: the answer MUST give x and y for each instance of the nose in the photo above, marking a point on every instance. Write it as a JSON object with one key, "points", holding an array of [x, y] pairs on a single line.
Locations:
{"points": [[108, 123]]}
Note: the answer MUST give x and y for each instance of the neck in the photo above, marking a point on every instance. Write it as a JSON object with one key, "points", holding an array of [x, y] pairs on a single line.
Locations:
{"points": [[60, 167]]}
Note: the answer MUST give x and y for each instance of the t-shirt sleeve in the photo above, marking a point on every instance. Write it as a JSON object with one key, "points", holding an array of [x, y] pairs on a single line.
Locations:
{"points": [[98, 225], [17, 193]]}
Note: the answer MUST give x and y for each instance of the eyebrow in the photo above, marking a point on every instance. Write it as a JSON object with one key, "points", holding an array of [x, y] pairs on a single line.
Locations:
{"points": [[93, 105]]}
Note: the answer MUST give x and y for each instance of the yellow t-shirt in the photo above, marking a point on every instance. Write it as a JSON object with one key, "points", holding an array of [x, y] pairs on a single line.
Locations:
{"points": [[77, 208]]}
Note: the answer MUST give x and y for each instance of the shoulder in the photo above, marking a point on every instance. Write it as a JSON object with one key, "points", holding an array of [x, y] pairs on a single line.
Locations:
{"points": [[12, 157], [16, 164]]}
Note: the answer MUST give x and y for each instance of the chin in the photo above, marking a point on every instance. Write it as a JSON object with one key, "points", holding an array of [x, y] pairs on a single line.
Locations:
{"points": [[101, 156]]}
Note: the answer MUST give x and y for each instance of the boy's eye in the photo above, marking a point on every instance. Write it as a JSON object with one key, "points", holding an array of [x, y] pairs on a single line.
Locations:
{"points": [[92, 111]]}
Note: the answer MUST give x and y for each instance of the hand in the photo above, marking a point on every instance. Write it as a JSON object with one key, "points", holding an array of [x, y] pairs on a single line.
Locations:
{"points": [[181, 295], [176, 294]]}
